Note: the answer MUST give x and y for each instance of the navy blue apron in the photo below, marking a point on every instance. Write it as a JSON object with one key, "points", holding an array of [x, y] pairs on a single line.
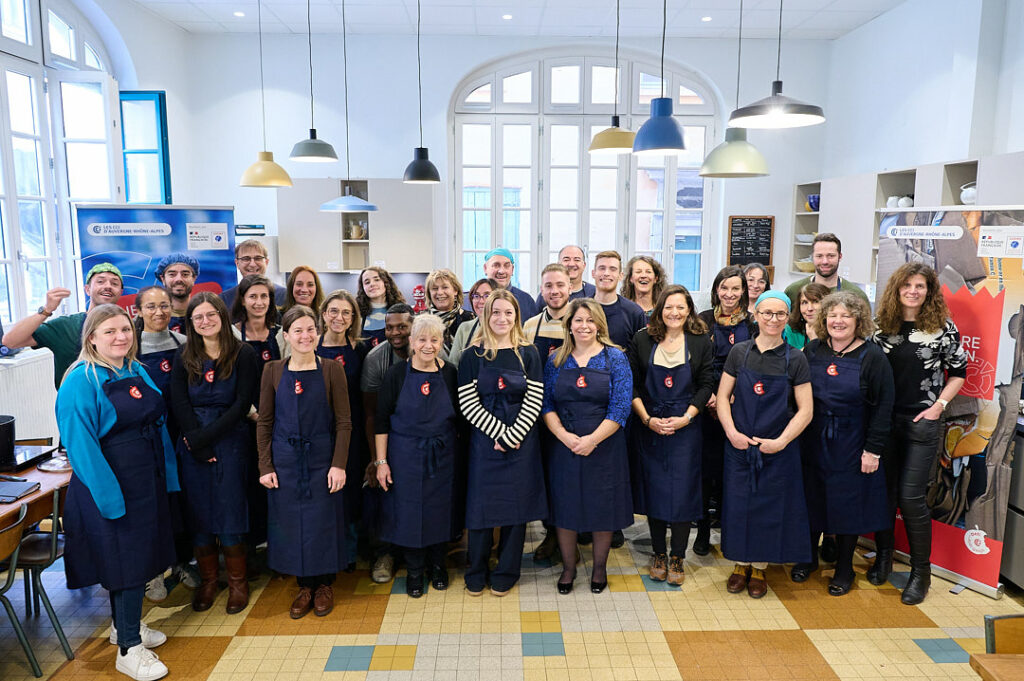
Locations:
{"points": [[351, 358], [840, 498], [764, 515], [158, 366], [503, 488], [416, 510], [178, 325], [588, 493], [670, 477], [546, 347], [723, 338], [125, 552], [305, 525], [216, 492], [375, 337], [266, 351]]}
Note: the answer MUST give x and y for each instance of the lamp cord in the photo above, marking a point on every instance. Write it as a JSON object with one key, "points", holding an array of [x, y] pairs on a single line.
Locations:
{"points": [[615, 105], [419, 70], [263, 105], [309, 42], [344, 57], [778, 56], [739, 57], [664, 27]]}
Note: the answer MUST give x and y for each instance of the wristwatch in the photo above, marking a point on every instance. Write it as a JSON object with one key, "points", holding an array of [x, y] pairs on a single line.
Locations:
{"points": [[43, 311], [944, 403], [380, 462]]}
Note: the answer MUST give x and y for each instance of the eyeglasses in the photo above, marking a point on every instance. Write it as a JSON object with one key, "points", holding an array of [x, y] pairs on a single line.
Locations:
{"points": [[247, 259], [344, 314], [768, 316], [479, 296], [209, 316], [153, 307]]}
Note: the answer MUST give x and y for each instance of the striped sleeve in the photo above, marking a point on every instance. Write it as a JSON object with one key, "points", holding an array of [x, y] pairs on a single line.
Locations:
{"points": [[478, 417], [533, 400]]}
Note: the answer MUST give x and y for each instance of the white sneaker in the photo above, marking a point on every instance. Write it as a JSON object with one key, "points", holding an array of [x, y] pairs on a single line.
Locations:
{"points": [[186, 575], [141, 664], [151, 638], [156, 591]]}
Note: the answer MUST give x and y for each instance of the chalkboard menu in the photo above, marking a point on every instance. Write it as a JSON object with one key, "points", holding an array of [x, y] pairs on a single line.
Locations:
{"points": [[750, 239]]}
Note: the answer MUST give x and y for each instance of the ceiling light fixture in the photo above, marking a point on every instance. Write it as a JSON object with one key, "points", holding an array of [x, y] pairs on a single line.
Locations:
{"points": [[614, 140], [264, 172], [506, 17], [421, 170], [661, 134], [239, 14], [735, 157], [312, 150], [347, 202], [777, 110], [705, 19]]}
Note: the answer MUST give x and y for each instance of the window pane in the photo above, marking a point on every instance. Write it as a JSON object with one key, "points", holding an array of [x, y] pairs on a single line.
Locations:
{"points": [[515, 230], [516, 187], [688, 230], [26, 166], [3, 235], [602, 84], [517, 89], [481, 95], [84, 113], [22, 103], [517, 145], [602, 231], [565, 145], [650, 192], [693, 138], [62, 38], [88, 174], [603, 188], [14, 21], [688, 97], [687, 270], [5, 297], [689, 189], [649, 87], [141, 122], [476, 187], [521, 276], [648, 235], [564, 187], [144, 185], [476, 229], [472, 267], [565, 85], [476, 144], [92, 58], [37, 283], [33, 236], [561, 229]]}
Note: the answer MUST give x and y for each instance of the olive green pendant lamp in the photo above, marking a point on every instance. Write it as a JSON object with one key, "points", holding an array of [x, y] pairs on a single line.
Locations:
{"points": [[264, 172], [312, 150], [614, 140]]}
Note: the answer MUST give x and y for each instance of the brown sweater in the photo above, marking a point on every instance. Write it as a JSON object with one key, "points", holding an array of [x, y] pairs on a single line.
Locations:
{"points": [[337, 396]]}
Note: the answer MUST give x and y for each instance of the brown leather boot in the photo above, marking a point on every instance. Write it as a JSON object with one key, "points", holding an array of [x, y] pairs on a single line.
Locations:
{"points": [[238, 585], [203, 597]]}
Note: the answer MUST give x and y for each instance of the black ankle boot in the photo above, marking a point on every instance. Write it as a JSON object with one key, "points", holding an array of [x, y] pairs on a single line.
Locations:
{"points": [[917, 585], [878, 573], [702, 543]]}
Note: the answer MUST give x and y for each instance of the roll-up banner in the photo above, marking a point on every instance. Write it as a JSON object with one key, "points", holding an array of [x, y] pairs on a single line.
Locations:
{"points": [[978, 253], [135, 238]]}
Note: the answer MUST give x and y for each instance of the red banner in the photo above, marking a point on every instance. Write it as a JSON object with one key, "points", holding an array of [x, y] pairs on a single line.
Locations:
{"points": [[970, 553], [978, 317]]}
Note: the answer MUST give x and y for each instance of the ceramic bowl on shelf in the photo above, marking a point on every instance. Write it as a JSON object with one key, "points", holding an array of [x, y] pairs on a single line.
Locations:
{"points": [[804, 266], [969, 193], [804, 238], [813, 202]]}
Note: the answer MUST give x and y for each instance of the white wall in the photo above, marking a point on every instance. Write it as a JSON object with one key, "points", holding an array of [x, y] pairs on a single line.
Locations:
{"points": [[1008, 118]]}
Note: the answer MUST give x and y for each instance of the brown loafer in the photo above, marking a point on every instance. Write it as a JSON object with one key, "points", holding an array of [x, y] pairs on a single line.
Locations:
{"points": [[659, 567], [675, 571], [323, 601], [757, 586], [302, 604], [738, 579]]}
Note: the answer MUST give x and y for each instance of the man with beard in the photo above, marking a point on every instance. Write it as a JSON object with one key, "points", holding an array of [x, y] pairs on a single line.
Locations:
{"points": [[63, 335], [251, 258], [826, 252], [574, 260], [177, 272], [499, 266], [624, 316], [545, 330]]}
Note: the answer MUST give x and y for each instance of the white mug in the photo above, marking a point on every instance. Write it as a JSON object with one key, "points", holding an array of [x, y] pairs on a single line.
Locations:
{"points": [[905, 202], [892, 202]]}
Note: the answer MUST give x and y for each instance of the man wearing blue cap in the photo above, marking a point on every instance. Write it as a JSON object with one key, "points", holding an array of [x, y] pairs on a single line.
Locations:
{"points": [[63, 335], [177, 272], [499, 266]]}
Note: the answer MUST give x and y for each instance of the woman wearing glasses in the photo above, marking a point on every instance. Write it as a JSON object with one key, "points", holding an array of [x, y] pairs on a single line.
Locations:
{"points": [[764, 403], [477, 298]]}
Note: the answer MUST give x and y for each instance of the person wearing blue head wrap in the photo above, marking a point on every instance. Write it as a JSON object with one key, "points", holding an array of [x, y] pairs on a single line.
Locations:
{"points": [[500, 265], [768, 295], [178, 273]]}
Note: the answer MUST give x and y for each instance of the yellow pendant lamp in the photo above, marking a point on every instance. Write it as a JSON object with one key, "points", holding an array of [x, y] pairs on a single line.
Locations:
{"points": [[614, 140], [264, 172]]}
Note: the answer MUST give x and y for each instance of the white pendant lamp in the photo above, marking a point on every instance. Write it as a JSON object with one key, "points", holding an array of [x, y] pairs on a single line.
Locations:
{"points": [[735, 157], [312, 150], [661, 134], [421, 170], [264, 172], [347, 202], [614, 140], [777, 110]]}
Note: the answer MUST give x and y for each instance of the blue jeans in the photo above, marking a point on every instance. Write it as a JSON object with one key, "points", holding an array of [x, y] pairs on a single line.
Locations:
{"points": [[210, 539], [126, 611]]}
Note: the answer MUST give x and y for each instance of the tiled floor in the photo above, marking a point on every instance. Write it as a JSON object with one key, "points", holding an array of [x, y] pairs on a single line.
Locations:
{"points": [[638, 630]]}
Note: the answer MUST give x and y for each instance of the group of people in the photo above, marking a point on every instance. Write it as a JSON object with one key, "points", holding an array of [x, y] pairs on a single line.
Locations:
{"points": [[320, 422]]}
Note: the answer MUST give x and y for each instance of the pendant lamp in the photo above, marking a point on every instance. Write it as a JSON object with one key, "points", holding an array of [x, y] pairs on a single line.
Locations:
{"points": [[735, 157], [661, 134], [421, 170], [312, 150], [777, 110], [614, 140], [347, 202], [264, 172]]}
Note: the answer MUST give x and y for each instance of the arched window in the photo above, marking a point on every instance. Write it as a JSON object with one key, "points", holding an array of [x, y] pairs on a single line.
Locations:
{"points": [[525, 180]]}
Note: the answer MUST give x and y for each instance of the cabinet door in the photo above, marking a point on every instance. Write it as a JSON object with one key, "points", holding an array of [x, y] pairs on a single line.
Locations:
{"points": [[402, 230], [848, 211], [309, 236]]}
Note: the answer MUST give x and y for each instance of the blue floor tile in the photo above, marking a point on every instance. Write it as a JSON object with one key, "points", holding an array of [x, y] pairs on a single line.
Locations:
{"points": [[349, 659], [943, 650], [543, 644], [652, 585], [899, 579]]}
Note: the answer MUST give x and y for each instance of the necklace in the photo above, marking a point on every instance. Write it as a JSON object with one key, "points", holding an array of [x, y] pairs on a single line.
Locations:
{"points": [[840, 353]]}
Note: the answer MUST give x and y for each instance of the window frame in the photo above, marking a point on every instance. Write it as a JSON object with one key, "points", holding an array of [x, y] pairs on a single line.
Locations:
{"points": [[33, 50], [162, 151], [83, 33]]}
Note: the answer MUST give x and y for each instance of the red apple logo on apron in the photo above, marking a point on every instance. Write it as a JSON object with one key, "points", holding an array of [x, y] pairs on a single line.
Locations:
{"points": [[165, 366], [298, 387], [501, 383], [425, 388], [759, 388], [668, 381], [340, 358], [832, 370], [732, 339], [266, 355], [581, 382], [135, 392], [374, 342], [209, 376], [551, 350]]}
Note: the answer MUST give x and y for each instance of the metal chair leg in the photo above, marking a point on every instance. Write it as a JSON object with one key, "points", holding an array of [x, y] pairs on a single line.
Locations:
{"points": [[28, 593], [21, 636], [37, 577]]}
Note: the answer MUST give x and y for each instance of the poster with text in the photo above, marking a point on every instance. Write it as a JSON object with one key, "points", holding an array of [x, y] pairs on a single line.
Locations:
{"points": [[977, 254]]}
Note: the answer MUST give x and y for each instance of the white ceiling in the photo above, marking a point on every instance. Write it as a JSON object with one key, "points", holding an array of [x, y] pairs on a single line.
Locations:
{"points": [[803, 19]]}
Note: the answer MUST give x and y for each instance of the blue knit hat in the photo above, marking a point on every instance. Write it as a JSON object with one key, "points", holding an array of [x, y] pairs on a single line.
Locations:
{"points": [[172, 258], [773, 294]]}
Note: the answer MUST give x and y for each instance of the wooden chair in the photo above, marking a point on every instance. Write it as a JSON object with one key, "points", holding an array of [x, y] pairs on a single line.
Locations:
{"points": [[1004, 634], [10, 544]]}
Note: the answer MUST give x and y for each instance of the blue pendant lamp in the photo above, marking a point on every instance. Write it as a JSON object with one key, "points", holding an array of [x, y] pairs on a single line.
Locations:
{"points": [[347, 202], [661, 135], [421, 170], [312, 150]]}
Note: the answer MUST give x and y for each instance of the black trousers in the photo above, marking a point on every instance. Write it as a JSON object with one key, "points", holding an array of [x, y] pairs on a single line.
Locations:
{"points": [[315, 581], [416, 560], [510, 557], [908, 460], [680, 536]]}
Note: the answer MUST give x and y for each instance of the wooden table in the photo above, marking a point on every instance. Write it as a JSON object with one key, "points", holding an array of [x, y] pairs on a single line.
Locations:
{"points": [[47, 483], [1001, 667]]}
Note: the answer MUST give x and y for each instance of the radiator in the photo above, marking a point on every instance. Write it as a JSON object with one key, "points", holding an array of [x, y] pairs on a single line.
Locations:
{"points": [[27, 393]]}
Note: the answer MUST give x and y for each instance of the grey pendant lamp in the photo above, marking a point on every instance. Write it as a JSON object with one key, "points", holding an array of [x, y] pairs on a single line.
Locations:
{"points": [[264, 172], [421, 170], [735, 157], [777, 110], [347, 202], [312, 150], [614, 140]]}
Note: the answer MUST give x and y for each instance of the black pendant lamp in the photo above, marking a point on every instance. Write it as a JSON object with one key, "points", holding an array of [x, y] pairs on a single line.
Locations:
{"points": [[421, 170], [312, 150]]}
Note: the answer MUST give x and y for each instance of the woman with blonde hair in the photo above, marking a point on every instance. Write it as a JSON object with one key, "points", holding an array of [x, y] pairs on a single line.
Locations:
{"points": [[645, 280], [588, 389], [500, 394], [929, 366], [444, 298], [117, 519], [304, 288]]}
